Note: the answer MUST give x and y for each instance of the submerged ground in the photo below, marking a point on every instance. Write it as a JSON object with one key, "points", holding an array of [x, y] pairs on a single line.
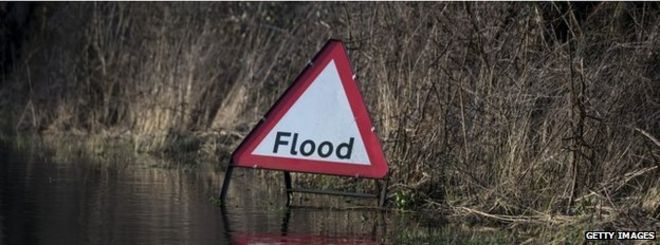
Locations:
{"points": [[65, 197]]}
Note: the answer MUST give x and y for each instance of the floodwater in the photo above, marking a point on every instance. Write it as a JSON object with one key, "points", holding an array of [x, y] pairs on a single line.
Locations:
{"points": [[63, 197], [49, 199]]}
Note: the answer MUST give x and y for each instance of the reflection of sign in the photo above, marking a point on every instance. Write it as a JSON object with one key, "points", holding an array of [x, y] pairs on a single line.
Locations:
{"points": [[319, 125], [297, 239]]}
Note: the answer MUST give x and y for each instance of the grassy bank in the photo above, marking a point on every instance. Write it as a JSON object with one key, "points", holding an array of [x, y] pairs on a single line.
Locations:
{"points": [[512, 112]]}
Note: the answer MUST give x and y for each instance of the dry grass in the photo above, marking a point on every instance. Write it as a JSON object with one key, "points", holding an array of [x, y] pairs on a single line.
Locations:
{"points": [[511, 109]]}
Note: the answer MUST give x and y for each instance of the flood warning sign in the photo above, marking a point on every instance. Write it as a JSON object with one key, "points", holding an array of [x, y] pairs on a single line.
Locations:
{"points": [[319, 125]]}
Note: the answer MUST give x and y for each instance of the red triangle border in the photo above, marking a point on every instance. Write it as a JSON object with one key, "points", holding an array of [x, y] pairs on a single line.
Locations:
{"points": [[333, 50]]}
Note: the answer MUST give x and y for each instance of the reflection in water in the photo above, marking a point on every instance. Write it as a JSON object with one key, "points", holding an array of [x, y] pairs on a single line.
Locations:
{"points": [[296, 239], [91, 203], [303, 229], [130, 202]]}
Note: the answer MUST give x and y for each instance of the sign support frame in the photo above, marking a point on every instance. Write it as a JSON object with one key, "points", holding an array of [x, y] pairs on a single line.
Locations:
{"points": [[225, 183], [381, 189]]}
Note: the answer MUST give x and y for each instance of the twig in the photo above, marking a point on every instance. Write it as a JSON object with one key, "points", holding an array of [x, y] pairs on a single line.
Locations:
{"points": [[649, 136]]}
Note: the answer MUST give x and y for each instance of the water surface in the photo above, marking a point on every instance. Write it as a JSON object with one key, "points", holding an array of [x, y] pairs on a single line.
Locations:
{"points": [[49, 199], [68, 197]]}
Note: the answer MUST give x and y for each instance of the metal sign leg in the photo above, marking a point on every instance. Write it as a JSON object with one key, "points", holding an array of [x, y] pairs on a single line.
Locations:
{"points": [[225, 183], [383, 192], [225, 223], [284, 229], [287, 183]]}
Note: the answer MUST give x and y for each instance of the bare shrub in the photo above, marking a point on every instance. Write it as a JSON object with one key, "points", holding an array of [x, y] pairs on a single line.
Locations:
{"points": [[510, 108]]}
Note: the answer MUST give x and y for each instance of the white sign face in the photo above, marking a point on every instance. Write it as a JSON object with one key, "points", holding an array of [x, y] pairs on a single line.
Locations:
{"points": [[320, 125]]}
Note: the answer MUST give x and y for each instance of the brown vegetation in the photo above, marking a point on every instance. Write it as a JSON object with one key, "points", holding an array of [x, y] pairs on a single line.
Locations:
{"points": [[526, 109]]}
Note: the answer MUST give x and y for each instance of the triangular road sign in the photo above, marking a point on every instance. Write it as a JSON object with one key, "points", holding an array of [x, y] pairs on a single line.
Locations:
{"points": [[320, 125]]}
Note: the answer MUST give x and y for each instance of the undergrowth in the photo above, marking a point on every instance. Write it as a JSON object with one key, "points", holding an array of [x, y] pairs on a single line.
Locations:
{"points": [[517, 112]]}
